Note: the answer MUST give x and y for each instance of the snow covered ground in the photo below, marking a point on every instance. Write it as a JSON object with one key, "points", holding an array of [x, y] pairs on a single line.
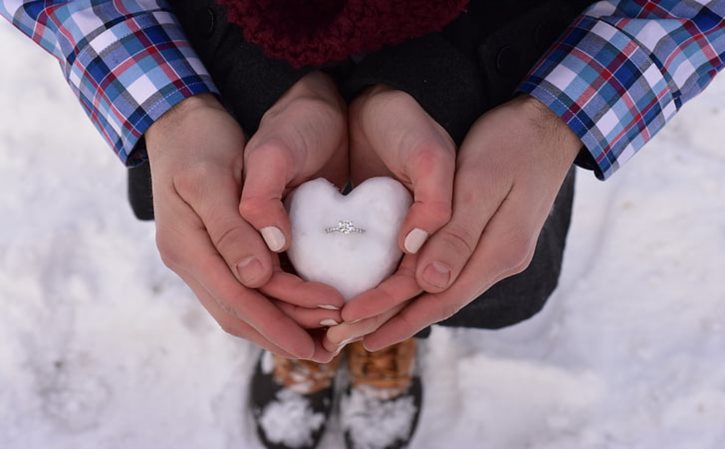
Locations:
{"points": [[102, 347]]}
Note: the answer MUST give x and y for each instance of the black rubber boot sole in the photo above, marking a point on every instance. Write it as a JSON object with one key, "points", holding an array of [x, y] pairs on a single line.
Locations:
{"points": [[264, 391]]}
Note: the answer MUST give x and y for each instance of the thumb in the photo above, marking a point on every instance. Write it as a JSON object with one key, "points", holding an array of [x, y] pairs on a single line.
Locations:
{"points": [[430, 169], [267, 173], [390, 130]]}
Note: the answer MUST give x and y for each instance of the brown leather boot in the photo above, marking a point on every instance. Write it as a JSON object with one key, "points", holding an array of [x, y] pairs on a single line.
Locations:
{"points": [[291, 400], [381, 407]]}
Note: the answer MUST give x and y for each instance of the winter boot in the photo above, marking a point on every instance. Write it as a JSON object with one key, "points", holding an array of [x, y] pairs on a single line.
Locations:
{"points": [[380, 409], [291, 401]]}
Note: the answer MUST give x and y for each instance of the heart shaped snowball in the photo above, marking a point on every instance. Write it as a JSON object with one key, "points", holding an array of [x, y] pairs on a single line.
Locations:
{"points": [[347, 241]]}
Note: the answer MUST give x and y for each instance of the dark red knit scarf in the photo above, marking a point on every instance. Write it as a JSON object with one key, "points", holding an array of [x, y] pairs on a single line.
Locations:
{"points": [[313, 32]]}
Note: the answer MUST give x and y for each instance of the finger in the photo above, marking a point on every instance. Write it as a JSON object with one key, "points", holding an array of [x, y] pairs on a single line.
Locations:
{"points": [[478, 195], [501, 252], [255, 309], [345, 333], [229, 323], [267, 173], [233, 326], [310, 318], [198, 257], [295, 291], [397, 289], [321, 355], [215, 201], [431, 171]]}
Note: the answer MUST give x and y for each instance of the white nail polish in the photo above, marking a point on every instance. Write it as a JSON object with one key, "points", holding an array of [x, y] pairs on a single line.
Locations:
{"points": [[328, 323], [328, 307], [415, 240], [273, 237], [344, 343]]}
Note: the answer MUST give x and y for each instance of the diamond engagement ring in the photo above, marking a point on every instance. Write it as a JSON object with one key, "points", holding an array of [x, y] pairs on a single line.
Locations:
{"points": [[345, 227]]}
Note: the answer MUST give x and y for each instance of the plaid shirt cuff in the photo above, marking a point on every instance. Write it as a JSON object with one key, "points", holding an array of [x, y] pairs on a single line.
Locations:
{"points": [[127, 61], [615, 92], [131, 74]]}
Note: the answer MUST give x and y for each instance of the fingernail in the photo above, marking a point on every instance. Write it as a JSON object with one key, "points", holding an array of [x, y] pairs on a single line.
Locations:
{"points": [[328, 307], [344, 343], [249, 270], [273, 237], [437, 274], [414, 240], [328, 323]]}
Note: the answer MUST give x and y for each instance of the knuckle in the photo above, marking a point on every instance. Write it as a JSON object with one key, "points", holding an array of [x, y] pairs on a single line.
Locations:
{"points": [[458, 238], [431, 156], [412, 326], [230, 238], [251, 207], [446, 309], [229, 328], [273, 152], [523, 263], [439, 211], [189, 182], [168, 251], [519, 252]]}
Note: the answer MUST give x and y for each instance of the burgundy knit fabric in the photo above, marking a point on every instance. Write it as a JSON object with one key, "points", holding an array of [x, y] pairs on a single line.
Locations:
{"points": [[313, 32]]}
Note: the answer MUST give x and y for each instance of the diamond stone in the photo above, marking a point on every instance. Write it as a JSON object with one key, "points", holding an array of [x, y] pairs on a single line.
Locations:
{"points": [[345, 226]]}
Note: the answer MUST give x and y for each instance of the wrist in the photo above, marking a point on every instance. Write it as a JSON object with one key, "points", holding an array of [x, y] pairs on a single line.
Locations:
{"points": [[550, 126], [179, 114]]}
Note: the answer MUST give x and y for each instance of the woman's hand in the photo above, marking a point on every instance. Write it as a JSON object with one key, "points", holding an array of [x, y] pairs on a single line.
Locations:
{"points": [[392, 135], [303, 136]]}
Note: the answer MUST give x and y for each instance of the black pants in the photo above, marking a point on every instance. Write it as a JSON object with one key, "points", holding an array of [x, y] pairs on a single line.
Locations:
{"points": [[456, 75]]}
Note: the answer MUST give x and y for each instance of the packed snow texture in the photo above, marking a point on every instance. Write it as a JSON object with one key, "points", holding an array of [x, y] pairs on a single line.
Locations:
{"points": [[346, 259], [373, 423], [290, 420], [103, 347]]}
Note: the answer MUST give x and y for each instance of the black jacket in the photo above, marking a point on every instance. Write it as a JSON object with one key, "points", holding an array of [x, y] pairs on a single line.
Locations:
{"points": [[473, 65]]}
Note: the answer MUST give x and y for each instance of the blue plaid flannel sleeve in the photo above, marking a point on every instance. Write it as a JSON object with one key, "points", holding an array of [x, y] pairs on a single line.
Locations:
{"points": [[624, 68], [127, 61]]}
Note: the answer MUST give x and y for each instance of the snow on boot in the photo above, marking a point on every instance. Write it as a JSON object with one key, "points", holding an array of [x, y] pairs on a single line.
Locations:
{"points": [[291, 401], [381, 407]]}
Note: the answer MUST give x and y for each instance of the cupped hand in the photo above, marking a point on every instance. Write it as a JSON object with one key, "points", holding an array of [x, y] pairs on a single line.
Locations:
{"points": [[509, 170], [392, 135], [303, 136], [197, 157]]}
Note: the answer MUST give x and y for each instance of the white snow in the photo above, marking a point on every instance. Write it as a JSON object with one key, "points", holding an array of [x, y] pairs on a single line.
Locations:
{"points": [[351, 261], [375, 424], [102, 347], [289, 420]]}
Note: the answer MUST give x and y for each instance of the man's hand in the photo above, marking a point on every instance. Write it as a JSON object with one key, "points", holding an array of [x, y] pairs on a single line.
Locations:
{"points": [[198, 158], [509, 171]]}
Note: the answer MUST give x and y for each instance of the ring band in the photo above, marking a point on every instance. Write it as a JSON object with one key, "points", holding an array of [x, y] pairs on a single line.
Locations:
{"points": [[345, 227]]}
